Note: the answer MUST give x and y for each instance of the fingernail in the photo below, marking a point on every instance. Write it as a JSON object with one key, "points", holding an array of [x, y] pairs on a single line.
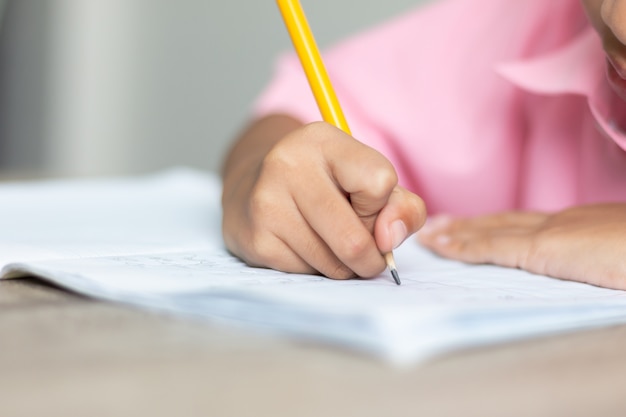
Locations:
{"points": [[433, 224], [398, 233]]}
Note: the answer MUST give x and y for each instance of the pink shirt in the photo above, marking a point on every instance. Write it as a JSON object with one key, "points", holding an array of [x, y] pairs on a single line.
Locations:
{"points": [[481, 105]]}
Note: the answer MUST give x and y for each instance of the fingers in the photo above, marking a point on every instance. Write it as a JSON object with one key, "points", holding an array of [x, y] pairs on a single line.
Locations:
{"points": [[315, 203], [583, 243], [327, 210], [504, 239], [386, 210], [363, 173], [315, 253], [301, 253], [345, 186], [318, 168], [403, 215], [277, 236]]}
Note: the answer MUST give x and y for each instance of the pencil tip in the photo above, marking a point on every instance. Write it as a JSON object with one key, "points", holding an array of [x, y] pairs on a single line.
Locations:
{"points": [[391, 263], [395, 276]]}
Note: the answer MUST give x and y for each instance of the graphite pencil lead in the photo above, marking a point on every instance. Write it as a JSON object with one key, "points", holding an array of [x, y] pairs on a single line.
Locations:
{"points": [[391, 263], [396, 277]]}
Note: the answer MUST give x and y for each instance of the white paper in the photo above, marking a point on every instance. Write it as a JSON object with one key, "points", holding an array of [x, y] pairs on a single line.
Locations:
{"points": [[155, 242]]}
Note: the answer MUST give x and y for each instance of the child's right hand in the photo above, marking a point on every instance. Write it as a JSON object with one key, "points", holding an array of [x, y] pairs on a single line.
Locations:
{"points": [[314, 201]]}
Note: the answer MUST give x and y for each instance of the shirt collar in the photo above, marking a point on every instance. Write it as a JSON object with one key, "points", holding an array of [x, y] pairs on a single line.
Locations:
{"points": [[578, 67], [575, 68]]}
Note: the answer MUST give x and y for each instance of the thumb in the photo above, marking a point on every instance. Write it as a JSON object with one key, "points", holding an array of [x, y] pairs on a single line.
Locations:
{"points": [[403, 215]]}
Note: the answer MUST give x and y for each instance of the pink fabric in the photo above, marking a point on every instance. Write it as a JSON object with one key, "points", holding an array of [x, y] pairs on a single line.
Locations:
{"points": [[481, 105]]}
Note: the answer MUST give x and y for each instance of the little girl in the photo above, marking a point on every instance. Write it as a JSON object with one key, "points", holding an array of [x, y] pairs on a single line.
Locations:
{"points": [[506, 119]]}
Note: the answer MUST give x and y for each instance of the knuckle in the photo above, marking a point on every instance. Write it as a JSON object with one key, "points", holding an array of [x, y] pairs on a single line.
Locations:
{"points": [[354, 247], [261, 251], [262, 205], [287, 159], [315, 130], [259, 243], [320, 136], [382, 181], [280, 159]]}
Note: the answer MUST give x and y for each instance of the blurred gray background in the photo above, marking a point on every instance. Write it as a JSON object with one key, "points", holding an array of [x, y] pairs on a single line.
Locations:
{"points": [[95, 87]]}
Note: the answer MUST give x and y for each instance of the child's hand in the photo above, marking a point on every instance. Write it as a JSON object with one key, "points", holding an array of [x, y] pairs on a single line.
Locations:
{"points": [[586, 243], [314, 202]]}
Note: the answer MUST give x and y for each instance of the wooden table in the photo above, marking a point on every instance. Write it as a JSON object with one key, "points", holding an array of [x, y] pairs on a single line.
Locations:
{"points": [[65, 355]]}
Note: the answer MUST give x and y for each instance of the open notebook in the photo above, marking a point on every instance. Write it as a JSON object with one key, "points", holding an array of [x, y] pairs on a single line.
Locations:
{"points": [[155, 242]]}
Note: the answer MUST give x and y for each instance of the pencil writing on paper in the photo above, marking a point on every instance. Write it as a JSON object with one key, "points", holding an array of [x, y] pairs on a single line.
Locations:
{"points": [[311, 60]]}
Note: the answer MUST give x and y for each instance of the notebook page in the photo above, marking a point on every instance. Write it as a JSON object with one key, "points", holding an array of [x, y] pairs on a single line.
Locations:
{"points": [[155, 242], [67, 219]]}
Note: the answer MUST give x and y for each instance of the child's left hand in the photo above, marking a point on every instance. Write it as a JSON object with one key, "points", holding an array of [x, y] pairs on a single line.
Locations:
{"points": [[585, 243]]}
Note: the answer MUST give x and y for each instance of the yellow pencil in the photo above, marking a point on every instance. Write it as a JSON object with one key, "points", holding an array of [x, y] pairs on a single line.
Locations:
{"points": [[315, 71]]}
